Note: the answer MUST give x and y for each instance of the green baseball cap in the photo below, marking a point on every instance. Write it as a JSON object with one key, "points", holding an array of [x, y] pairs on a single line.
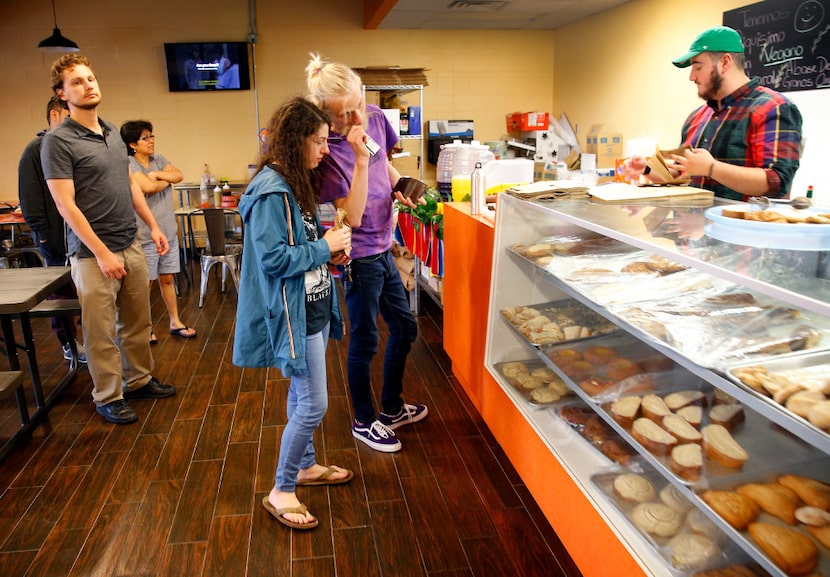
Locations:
{"points": [[718, 39]]}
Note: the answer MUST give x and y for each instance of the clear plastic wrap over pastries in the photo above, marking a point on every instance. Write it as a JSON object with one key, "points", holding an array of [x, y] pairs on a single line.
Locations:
{"points": [[556, 322], [536, 382], [723, 326]]}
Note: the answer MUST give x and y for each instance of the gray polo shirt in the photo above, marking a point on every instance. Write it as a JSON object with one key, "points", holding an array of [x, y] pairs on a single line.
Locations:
{"points": [[99, 167]]}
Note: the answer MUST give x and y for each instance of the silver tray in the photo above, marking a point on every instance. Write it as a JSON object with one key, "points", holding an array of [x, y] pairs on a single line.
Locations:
{"points": [[802, 360], [818, 469], [694, 521], [559, 311]]}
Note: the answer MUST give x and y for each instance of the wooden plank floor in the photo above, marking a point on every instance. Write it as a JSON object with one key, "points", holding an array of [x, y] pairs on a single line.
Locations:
{"points": [[178, 493]]}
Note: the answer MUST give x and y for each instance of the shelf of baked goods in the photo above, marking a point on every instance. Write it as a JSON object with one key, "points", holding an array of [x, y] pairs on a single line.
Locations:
{"points": [[747, 443]]}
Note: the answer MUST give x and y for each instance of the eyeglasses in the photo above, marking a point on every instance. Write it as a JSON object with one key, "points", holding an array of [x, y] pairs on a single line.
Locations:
{"points": [[148, 137]]}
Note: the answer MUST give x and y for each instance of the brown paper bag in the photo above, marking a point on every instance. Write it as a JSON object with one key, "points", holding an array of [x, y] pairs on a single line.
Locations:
{"points": [[340, 220]]}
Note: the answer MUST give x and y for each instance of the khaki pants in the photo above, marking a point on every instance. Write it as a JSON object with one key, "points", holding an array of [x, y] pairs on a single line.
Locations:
{"points": [[115, 316]]}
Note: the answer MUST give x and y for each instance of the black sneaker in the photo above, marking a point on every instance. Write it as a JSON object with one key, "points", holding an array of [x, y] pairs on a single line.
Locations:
{"points": [[118, 412], [152, 390]]}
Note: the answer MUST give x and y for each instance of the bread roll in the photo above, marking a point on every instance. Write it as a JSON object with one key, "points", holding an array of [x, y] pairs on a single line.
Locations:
{"points": [[811, 491], [595, 385], [739, 212], [680, 399], [341, 220], [654, 408], [656, 519], [693, 414], [792, 551], [689, 551], [621, 369], [680, 428], [773, 498], [719, 446], [821, 534], [633, 488], [671, 496], [736, 509], [625, 409], [730, 416], [802, 401], [819, 415], [687, 461], [651, 436], [812, 516]]}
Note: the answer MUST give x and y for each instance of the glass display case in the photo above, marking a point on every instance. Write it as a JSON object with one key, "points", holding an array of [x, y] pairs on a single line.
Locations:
{"points": [[681, 316]]}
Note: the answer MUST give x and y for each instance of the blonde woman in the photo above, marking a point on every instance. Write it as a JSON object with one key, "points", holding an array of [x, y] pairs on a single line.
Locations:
{"points": [[357, 177]]}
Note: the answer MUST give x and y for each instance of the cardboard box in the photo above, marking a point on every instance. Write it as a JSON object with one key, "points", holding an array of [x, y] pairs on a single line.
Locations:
{"points": [[544, 171], [406, 164], [608, 146], [524, 121], [450, 128]]}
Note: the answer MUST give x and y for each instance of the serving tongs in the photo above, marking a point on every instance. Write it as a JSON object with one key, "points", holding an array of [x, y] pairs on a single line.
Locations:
{"points": [[798, 203]]}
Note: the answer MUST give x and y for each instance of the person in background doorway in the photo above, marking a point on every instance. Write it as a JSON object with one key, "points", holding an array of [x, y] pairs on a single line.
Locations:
{"points": [[746, 140], [155, 175], [287, 299], [87, 170], [42, 216], [357, 177]]}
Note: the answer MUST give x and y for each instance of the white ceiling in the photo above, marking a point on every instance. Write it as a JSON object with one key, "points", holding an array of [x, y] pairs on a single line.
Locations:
{"points": [[492, 14]]}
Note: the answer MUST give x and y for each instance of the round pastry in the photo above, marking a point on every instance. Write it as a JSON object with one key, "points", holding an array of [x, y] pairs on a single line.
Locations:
{"points": [[544, 395], [690, 550], [656, 364], [562, 356], [619, 369], [633, 487], [656, 519], [513, 369], [539, 249], [671, 496], [595, 386], [578, 370], [528, 382], [699, 523], [599, 355], [544, 260], [544, 373]]}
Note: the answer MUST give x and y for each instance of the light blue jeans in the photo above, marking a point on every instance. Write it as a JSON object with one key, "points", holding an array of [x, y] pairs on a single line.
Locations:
{"points": [[308, 401]]}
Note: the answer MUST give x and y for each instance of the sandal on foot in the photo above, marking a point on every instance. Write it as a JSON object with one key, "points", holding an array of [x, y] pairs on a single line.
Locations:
{"points": [[154, 340], [325, 477], [278, 515], [182, 332]]}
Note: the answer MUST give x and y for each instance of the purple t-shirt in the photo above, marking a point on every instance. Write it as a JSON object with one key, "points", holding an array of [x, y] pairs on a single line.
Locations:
{"points": [[374, 235]]}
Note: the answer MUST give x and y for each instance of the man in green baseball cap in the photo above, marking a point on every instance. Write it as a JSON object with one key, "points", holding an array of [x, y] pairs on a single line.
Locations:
{"points": [[746, 140]]}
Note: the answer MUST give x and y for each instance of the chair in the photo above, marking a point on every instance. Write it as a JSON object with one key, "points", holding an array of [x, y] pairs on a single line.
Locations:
{"points": [[223, 226]]}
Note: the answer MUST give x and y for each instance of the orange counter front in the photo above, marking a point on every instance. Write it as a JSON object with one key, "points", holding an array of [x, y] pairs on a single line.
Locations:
{"points": [[468, 257]]}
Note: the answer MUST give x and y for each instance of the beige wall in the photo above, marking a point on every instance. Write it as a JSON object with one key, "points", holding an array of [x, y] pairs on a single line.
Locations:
{"points": [[471, 74], [615, 68]]}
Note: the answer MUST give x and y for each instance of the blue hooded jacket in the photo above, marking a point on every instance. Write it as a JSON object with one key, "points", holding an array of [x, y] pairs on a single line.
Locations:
{"points": [[270, 314]]}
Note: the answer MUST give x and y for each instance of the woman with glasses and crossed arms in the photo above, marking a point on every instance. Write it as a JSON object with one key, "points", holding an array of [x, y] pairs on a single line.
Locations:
{"points": [[156, 177]]}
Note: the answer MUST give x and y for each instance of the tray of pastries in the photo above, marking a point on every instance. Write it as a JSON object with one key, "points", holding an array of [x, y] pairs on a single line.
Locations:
{"points": [[544, 250], [536, 382], [695, 432], [597, 365], [798, 384], [668, 520], [781, 516], [724, 326], [602, 437], [556, 322]]}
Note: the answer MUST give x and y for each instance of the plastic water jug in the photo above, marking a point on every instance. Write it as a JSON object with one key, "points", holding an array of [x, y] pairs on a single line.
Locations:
{"points": [[443, 170], [464, 163]]}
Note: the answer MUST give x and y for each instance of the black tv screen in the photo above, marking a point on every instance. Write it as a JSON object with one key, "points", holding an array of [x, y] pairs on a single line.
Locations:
{"points": [[200, 66]]}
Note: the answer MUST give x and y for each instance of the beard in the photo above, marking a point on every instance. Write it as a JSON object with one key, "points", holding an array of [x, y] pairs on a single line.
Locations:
{"points": [[715, 84]]}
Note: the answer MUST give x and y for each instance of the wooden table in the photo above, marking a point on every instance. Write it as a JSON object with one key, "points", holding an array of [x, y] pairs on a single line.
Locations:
{"points": [[22, 290]]}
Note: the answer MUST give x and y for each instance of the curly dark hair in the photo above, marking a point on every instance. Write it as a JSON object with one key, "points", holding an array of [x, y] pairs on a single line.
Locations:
{"points": [[66, 62], [285, 146], [131, 132]]}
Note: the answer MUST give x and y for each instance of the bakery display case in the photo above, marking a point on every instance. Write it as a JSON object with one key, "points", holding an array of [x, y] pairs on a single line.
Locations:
{"points": [[700, 367]]}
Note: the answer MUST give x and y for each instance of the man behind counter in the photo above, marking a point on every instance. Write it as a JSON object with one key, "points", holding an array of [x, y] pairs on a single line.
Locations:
{"points": [[746, 140]]}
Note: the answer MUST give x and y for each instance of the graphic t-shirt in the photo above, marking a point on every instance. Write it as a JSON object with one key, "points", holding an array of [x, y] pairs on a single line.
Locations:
{"points": [[318, 292]]}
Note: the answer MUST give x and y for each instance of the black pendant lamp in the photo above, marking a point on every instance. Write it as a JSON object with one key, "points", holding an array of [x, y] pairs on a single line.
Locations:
{"points": [[57, 42]]}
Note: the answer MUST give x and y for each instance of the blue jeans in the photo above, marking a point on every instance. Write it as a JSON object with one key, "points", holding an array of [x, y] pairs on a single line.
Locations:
{"points": [[307, 403], [375, 287]]}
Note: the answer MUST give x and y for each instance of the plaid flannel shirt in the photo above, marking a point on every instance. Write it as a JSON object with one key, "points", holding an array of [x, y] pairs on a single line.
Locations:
{"points": [[754, 126]]}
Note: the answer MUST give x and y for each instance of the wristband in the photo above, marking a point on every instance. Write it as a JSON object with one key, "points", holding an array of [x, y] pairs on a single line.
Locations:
{"points": [[647, 170], [711, 168]]}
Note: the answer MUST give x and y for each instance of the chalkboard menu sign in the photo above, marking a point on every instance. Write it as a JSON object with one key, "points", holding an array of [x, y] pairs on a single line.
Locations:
{"points": [[786, 42]]}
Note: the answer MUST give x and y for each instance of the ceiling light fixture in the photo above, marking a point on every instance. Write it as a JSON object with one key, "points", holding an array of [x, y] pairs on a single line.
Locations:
{"points": [[57, 42]]}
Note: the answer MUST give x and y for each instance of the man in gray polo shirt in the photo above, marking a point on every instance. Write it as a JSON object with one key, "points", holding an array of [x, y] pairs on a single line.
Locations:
{"points": [[85, 165]]}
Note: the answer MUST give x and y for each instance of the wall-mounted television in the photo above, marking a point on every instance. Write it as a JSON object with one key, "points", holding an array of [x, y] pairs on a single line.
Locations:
{"points": [[200, 66]]}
